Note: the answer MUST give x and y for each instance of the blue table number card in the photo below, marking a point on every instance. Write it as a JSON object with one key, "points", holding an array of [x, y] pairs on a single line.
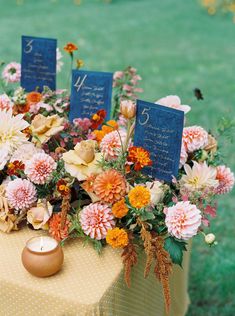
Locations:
{"points": [[159, 130], [38, 63], [91, 91]]}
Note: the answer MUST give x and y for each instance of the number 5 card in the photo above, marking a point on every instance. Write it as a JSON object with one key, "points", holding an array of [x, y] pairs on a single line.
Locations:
{"points": [[91, 91], [38, 63], [159, 130]]}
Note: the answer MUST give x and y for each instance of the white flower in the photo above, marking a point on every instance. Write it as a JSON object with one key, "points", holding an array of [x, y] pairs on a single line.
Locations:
{"points": [[4, 157], [25, 152], [156, 191], [173, 101], [59, 63], [199, 177], [210, 239]]}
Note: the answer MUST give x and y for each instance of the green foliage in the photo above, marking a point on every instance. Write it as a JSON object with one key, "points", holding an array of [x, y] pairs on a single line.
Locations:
{"points": [[175, 248], [226, 128]]}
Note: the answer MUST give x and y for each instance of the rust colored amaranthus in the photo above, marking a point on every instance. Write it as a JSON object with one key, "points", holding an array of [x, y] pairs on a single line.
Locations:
{"points": [[65, 207], [163, 268], [129, 257]]}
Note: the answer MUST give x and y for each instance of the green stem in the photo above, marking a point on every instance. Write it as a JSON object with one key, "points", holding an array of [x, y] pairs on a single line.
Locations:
{"points": [[70, 72]]}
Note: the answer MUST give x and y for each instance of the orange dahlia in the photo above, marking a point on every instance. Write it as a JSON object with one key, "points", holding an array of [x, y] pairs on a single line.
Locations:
{"points": [[140, 157], [117, 237], [120, 209], [110, 186], [139, 196], [55, 229]]}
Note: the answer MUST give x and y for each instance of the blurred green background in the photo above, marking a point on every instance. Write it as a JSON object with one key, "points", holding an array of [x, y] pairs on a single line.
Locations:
{"points": [[176, 47]]}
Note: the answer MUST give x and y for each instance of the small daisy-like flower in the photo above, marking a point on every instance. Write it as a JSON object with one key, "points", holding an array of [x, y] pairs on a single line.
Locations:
{"points": [[39, 168], [140, 157], [21, 194], [96, 219], [139, 196], [226, 180], [117, 237], [194, 138], [110, 186], [12, 72]]}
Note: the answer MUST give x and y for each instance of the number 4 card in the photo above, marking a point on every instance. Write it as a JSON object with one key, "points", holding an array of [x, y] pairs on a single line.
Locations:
{"points": [[159, 130], [91, 91], [38, 63]]}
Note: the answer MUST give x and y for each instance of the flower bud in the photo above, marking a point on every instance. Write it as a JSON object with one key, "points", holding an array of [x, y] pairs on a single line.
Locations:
{"points": [[210, 239], [212, 144], [128, 109]]}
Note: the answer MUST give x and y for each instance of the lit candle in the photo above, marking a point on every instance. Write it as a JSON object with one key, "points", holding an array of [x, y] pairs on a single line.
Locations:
{"points": [[42, 256]]}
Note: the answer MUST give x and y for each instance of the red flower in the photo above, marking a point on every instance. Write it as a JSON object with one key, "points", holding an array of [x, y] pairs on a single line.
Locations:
{"points": [[97, 119], [140, 157], [14, 168]]}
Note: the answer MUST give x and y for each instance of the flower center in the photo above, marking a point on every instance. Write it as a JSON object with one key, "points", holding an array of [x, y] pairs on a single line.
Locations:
{"points": [[12, 71], [194, 181]]}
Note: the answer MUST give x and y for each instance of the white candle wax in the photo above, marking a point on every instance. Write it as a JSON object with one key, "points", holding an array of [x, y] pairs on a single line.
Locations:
{"points": [[42, 244]]}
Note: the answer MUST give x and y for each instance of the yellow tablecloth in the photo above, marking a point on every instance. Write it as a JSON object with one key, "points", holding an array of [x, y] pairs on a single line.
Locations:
{"points": [[88, 284]]}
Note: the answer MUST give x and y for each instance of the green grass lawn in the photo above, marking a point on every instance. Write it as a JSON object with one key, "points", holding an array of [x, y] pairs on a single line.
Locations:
{"points": [[176, 47]]}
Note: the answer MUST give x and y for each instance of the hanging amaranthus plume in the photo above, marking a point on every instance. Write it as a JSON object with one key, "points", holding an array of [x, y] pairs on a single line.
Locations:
{"points": [[129, 257], [163, 268], [65, 207]]}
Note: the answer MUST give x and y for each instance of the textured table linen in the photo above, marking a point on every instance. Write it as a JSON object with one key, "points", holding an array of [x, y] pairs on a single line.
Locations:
{"points": [[87, 285]]}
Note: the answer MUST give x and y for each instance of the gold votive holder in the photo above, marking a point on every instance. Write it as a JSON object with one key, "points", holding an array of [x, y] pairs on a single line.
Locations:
{"points": [[42, 256]]}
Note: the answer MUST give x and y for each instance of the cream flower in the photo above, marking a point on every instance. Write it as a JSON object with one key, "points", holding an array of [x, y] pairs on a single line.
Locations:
{"points": [[156, 191], [199, 177], [39, 215], [26, 152], [43, 128], [82, 162], [173, 101], [4, 157]]}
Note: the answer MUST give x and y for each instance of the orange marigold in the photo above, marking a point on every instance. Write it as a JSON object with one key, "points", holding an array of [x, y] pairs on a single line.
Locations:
{"points": [[139, 196], [33, 97], [140, 157], [99, 135], [110, 186], [55, 229], [117, 238], [120, 209], [70, 48]]}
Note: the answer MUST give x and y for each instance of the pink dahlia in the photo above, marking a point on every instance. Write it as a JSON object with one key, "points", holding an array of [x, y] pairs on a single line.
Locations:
{"points": [[183, 156], [21, 194], [96, 219], [183, 220], [39, 168], [12, 72], [5, 102], [194, 138], [111, 144], [226, 180]]}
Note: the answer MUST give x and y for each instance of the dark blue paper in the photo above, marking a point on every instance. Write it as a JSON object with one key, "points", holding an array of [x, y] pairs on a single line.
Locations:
{"points": [[159, 130], [91, 91], [38, 63]]}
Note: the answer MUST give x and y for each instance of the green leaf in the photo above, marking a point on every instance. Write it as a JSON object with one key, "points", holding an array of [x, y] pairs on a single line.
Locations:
{"points": [[147, 216], [175, 248]]}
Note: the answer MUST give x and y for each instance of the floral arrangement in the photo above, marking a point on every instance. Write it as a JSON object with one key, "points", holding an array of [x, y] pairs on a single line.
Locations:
{"points": [[215, 6], [84, 179]]}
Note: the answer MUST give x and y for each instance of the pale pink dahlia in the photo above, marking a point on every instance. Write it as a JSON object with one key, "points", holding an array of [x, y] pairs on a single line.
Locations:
{"points": [[183, 156], [174, 102], [96, 219], [226, 180], [12, 72], [5, 102], [21, 194], [39, 168], [183, 220], [111, 144], [194, 138]]}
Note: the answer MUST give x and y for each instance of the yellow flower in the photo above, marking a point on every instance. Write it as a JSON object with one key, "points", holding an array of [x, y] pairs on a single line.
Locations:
{"points": [[38, 216], [139, 196], [80, 63], [119, 209], [117, 237], [43, 128], [82, 162]]}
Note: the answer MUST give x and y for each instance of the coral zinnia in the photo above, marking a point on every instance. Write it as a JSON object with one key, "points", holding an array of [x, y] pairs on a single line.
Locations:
{"points": [[21, 194], [140, 157], [55, 229], [39, 168], [96, 219], [139, 196], [226, 180], [117, 238], [119, 209], [110, 186]]}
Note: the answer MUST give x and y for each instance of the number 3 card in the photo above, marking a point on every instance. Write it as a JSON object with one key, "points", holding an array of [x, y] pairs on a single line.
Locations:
{"points": [[91, 91], [159, 130], [38, 63]]}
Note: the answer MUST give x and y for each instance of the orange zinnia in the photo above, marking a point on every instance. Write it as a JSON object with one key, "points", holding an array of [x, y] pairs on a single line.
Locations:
{"points": [[33, 97], [70, 48], [139, 196], [140, 157], [120, 209], [110, 186], [117, 237]]}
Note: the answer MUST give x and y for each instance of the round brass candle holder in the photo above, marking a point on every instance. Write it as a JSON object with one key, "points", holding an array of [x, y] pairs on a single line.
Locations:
{"points": [[42, 256]]}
